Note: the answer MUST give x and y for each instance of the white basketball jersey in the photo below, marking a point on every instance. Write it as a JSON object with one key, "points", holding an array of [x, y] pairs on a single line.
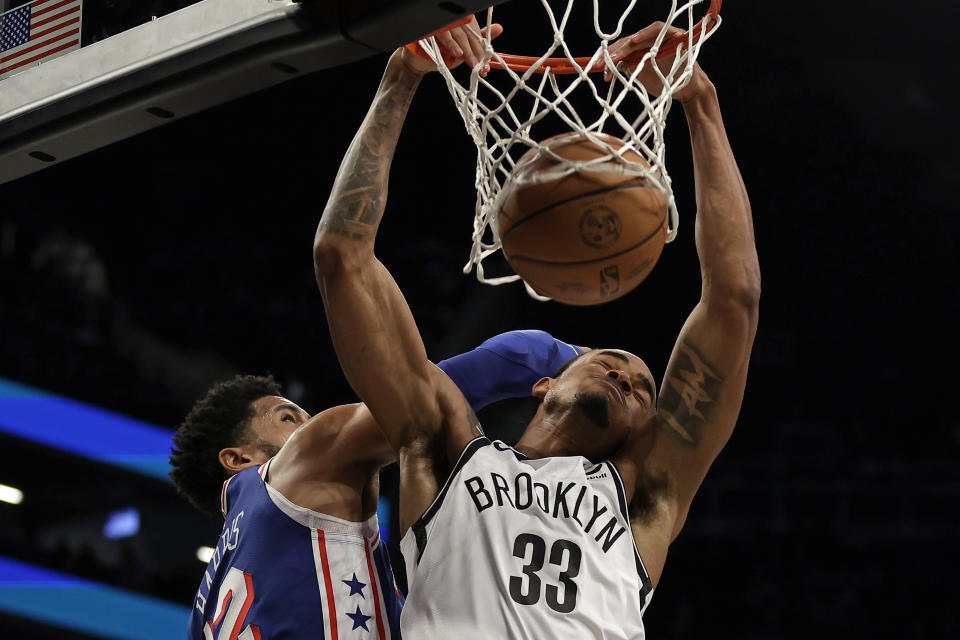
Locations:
{"points": [[520, 548]]}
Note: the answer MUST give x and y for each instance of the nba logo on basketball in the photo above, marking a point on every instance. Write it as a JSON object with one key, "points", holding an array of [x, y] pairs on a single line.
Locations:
{"points": [[609, 280], [600, 227]]}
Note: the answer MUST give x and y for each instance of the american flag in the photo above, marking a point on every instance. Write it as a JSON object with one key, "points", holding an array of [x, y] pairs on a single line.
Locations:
{"points": [[37, 32]]}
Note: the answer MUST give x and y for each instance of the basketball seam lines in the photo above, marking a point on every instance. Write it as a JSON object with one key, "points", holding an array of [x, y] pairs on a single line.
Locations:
{"points": [[644, 185], [612, 255]]}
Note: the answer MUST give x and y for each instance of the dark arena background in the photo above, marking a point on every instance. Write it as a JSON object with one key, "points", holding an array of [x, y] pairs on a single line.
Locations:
{"points": [[136, 275]]}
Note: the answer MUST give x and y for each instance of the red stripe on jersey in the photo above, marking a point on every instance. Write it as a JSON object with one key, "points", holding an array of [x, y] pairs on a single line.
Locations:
{"points": [[247, 603], [376, 590], [322, 546], [226, 605], [223, 496], [256, 632]]}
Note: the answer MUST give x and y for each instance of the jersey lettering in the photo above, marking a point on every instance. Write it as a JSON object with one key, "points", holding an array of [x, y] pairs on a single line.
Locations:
{"points": [[229, 539], [500, 484], [562, 492], [523, 493], [543, 496], [576, 507], [475, 487], [597, 512], [611, 532]]}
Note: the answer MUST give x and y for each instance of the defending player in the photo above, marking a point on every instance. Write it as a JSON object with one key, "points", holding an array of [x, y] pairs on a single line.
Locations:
{"points": [[535, 541], [300, 548]]}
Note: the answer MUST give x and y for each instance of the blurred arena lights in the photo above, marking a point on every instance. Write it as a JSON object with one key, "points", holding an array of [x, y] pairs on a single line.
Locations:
{"points": [[122, 524], [81, 429], [85, 606], [204, 554], [11, 495]]}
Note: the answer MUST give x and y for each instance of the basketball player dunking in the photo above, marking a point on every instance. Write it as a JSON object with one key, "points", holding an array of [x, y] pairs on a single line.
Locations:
{"points": [[565, 534]]}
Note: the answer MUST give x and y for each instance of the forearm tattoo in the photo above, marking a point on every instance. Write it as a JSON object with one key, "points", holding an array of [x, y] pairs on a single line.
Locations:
{"points": [[360, 192], [689, 395]]}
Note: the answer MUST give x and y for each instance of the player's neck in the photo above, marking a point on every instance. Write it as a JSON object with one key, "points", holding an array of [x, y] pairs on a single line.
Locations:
{"points": [[546, 438]]}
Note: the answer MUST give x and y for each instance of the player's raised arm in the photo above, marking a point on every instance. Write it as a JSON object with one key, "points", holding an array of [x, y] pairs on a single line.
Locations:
{"points": [[703, 386], [373, 331]]}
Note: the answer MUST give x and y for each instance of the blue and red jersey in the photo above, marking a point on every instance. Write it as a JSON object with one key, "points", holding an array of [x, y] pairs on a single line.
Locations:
{"points": [[283, 571]]}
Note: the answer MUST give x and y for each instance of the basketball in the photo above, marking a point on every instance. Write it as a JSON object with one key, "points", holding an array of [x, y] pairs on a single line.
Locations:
{"points": [[587, 237]]}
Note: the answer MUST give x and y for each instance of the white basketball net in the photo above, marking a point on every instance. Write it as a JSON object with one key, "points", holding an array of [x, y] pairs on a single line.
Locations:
{"points": [[507, 112]]}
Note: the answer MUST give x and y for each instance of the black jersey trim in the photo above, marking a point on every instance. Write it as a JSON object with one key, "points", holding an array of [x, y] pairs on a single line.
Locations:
{"points": [[621, 492], [420, 535], [420, 526], [500, 445], [646, 585]]}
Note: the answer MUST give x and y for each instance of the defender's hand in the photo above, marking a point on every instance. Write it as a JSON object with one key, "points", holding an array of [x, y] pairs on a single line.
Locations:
{"points": [[642, 41], [460, 44]]}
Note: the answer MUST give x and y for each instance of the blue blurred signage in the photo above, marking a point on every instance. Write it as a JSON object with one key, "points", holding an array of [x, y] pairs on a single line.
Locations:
{"points": [[82, 429]]}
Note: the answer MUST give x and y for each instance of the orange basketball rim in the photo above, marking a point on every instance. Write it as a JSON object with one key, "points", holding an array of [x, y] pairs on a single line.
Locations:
{"points": [[566, 66]]}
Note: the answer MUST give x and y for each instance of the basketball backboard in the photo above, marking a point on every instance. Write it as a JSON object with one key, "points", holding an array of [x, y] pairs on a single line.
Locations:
{"points": [[202, 55]]}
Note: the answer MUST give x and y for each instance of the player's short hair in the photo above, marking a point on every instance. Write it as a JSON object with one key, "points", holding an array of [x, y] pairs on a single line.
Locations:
{"points": [[566, 365], [221, 418]]}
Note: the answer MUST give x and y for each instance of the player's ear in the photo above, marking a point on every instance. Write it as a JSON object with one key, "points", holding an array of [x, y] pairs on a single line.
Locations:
{"points": [[235, 459], [541, 387]]}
